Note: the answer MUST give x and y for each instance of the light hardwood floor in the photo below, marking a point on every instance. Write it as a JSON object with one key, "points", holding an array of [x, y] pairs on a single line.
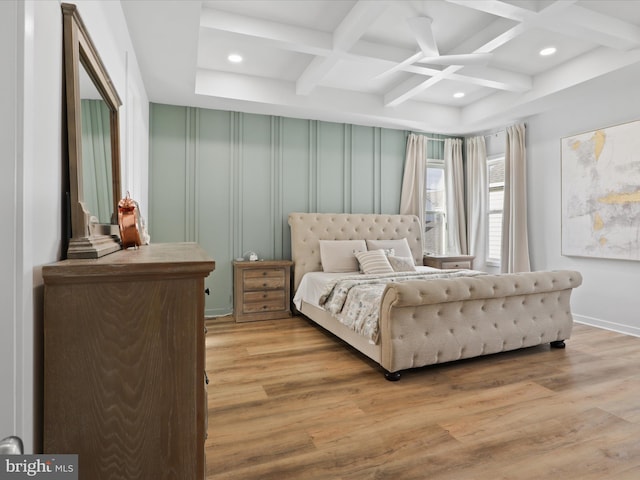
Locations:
{"points": [[289, 401]]}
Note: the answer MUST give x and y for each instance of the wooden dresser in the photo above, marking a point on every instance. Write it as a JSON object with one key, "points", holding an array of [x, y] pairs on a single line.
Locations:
{"points": [[124, 359], [261, 290]]}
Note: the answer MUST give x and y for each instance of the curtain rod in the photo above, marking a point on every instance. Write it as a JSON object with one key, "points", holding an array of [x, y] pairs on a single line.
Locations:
{"points": [[435, 139], [499, 131], [494, 133]]}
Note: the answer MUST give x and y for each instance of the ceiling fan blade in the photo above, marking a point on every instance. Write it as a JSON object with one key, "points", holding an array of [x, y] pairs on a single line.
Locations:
{"points": [[462, 59], [421, 28]]}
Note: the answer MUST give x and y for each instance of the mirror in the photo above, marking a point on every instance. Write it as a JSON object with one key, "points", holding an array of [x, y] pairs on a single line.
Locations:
{"points": [[97, 175], [93, 143]]}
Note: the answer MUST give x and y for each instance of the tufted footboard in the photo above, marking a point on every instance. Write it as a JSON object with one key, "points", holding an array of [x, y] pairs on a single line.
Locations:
{"points": [[440, 320]]}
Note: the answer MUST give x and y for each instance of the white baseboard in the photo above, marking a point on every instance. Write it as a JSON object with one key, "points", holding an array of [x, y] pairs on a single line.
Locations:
{"points": [[606, 325]]}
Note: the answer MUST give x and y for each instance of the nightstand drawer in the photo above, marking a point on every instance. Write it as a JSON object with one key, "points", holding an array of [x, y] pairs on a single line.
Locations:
{"points": [[273, 302], [449, 262], [267, 278], [448, 265], [263, 296]]}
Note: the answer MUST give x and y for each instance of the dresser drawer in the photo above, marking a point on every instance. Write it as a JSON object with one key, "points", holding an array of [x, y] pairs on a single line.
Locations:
{"points": [[264, 278]]}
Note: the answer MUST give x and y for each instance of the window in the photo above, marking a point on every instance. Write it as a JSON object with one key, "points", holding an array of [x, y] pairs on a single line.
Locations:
{"points": [[435, 208], [495, 176]]}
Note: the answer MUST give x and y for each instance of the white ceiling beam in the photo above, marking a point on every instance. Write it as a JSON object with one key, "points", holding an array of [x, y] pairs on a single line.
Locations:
{"points": [[294, 39], [564, 17], [278, 97], [520, 14], [356, 23], [497, 8], [314, 73], [413, 86], [597, 27], [495, 78], [404, 65], [320, 44], [352, 27], [492, 78], [288, 37], [589, 66], [496, 29], [407, 90]]}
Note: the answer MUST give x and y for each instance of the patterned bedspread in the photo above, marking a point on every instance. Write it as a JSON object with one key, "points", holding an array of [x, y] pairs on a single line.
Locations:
{"points": [[355, 300]]}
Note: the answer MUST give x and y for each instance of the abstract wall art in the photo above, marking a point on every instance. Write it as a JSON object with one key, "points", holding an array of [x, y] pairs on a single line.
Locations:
{"points": [[601, 193]]}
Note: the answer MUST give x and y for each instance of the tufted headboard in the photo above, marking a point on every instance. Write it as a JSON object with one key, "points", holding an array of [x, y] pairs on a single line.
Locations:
{"points": [[307, 229]]}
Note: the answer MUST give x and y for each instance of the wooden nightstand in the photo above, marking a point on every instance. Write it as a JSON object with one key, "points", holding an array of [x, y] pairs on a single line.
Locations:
{"points": [[261, 290], [448, 261]]}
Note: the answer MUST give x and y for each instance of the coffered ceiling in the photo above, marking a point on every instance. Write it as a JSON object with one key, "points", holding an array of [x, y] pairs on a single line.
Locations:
{"points": [[360, 61]]}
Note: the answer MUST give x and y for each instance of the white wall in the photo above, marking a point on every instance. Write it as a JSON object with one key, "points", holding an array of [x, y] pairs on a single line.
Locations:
{"points": [[609, 295], [8, 191], [31, 196]]}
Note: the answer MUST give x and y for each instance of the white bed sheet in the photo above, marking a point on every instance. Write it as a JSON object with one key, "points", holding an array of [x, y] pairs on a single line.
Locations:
{"points": [[312, 285]]}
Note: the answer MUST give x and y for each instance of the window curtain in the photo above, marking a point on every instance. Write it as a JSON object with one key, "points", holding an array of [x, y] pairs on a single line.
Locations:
{"points": [[96, 159], [515, 246], [412, 195], [454, 181], [477, 186]]}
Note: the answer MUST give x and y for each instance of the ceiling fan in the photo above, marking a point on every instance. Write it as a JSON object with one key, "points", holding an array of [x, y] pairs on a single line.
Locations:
{"points": [[421, 28]]}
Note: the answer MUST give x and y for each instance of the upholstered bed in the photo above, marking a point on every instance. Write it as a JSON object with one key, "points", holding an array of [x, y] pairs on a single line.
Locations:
{"points": [[435, 320]]}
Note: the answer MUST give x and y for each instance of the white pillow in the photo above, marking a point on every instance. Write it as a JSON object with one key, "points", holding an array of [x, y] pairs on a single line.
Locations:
{"points": [[338, 255], [400, 247], [401, 264], [374, 261]]}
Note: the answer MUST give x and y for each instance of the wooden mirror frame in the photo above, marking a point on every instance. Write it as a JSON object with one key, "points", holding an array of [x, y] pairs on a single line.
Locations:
{"points": [[88, 240]]}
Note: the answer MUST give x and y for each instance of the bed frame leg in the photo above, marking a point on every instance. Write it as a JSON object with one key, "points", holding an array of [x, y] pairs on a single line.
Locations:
{"points": [[392, 376], [558, 344]]}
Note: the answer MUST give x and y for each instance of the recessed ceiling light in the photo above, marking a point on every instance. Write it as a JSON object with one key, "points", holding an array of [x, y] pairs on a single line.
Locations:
{"points": [[545, 52], [458, 95], [234, 58]]}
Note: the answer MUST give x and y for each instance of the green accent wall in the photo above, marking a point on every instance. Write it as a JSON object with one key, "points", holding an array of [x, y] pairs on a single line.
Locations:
{"points": [[228, 181]]}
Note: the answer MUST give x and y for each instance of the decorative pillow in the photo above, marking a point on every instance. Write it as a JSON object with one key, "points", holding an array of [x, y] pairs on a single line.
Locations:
{"points": [[374, 261], [401, 264], [338, 255], [401, 247]]}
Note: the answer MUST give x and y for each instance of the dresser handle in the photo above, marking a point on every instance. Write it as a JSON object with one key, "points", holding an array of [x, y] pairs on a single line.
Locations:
{"points": [[206, 290]]}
